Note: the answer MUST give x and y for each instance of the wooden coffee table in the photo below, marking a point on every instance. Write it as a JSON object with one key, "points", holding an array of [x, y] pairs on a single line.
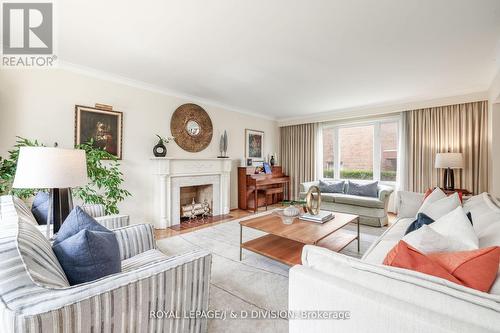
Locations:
{"points": [[284, 242]]}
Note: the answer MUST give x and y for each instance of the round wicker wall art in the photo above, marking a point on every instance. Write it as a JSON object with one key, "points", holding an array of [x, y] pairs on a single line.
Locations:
{"points": [[191, 127]]}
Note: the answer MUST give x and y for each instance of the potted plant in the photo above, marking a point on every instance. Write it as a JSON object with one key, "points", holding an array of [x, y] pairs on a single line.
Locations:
{"points": [[105, 177]]}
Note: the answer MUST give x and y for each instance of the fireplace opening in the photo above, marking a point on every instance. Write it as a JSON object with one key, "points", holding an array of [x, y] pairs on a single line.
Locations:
{"points": [[196, 202]]}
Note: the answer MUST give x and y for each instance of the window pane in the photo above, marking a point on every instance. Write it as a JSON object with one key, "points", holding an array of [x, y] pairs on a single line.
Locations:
{"points": [[356, 152], [328, 145], [389, 151]]}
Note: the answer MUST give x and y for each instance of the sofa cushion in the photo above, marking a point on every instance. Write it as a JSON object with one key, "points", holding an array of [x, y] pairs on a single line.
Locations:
{"points": [[85, 249], [335, 186], [363, 189], [427, 240], [422, 219], [485, 211], [94, 210], [39, 258], [457, 227], [441, 207], [408, 203], [76, 221], [379, 249], [22, 211], [142, 259], [329, 197], [40, 207], [458, 267], [359, 201], [88, 255]]}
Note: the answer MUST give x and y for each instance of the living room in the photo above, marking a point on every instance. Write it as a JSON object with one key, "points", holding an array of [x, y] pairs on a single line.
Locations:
{"points": [[282, 166]]}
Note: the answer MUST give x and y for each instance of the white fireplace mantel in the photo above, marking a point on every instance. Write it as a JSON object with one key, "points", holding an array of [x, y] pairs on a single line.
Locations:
{"points": [[170, 173]]}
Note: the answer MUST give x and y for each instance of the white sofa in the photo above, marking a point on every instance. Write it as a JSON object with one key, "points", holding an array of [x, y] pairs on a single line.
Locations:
{"points": [[388, 299]]}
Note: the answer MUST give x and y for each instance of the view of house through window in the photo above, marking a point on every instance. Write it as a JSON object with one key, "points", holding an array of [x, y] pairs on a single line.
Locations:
{"points": [[328, 149], [356, 152], [367, 151], [388, 151]]}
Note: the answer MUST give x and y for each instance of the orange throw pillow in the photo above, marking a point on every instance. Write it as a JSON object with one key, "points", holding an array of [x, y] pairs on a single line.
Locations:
{"points": [[475, 269]]}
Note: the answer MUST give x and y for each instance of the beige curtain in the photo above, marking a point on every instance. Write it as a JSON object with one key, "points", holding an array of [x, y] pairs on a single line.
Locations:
{"points": [[456, 128], [298, 154]]}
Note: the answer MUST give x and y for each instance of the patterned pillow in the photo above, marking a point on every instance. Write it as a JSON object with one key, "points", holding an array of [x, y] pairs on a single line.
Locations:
{"points": [[336, 186], [363, 189], [22, 210], [39, 259]]}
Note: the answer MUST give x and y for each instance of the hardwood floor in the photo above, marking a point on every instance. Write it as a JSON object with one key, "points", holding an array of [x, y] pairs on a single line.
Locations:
{"points": [[233, 214], [197, 225]]}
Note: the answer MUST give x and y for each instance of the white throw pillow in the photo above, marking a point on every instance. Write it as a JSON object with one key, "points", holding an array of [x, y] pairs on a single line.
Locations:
{"points": [[439, 208], [485, 211], [457, 228], [427, 240], [436, 195]]}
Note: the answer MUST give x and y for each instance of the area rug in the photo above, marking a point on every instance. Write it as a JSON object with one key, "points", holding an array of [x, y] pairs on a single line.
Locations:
{"points": [[254, 284]]}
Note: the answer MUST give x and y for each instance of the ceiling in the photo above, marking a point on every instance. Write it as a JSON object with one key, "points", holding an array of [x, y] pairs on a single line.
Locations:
{"points": [[288, 58]]}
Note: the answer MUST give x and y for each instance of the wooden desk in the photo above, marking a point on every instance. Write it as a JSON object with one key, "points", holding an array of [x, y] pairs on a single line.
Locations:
{"points": [[250, 183]]}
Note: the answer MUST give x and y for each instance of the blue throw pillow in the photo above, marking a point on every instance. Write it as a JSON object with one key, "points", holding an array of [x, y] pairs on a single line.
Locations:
{"points": [[363, 189], [336, 186], [85, 249], [40, 207], [424, 219]]}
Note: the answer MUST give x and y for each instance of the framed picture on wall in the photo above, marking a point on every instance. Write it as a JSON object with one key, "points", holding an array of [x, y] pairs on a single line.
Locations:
{"points": [[254, 144], [104, 127]]}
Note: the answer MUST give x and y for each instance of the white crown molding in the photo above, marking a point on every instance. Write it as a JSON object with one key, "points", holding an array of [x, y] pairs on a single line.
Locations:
{"points": [[385, 108], [107, 76]]}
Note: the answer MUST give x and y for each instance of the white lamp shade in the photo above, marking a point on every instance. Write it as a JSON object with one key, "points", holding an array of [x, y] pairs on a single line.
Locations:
{"points": [[44, 167], [449, 160]]}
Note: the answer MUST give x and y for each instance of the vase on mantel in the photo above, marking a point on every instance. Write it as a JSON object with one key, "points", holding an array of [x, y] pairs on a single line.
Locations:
{"points": [[160, 150]]}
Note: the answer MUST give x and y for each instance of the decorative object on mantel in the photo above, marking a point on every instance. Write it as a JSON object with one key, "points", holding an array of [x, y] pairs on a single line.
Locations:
{"points": [[160, 150], [254, 145], [249, 162], [191, 127], [100, 124], [223, 145]]}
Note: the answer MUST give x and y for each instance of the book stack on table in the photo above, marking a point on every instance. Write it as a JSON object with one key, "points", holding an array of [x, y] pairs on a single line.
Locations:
{"points": [[322, 217]]}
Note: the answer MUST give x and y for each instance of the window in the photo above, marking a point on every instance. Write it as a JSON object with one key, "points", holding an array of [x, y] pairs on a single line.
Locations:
{"points": [[356, 152], [361, 151], [328, 161], [388, 151]]}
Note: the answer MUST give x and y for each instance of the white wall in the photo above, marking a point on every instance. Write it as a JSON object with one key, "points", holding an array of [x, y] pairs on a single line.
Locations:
{"points": [[40, 104]]}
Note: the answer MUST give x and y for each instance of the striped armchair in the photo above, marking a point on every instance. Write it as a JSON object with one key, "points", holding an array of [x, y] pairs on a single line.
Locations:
{"points": [[112, 221], [35, 295]]}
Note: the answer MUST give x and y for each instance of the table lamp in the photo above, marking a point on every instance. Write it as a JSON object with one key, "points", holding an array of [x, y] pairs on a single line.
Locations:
{"points": [[56, 169], [449, 161]]}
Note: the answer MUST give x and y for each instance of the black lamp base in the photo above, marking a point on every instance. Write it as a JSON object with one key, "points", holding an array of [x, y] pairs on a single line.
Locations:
{"points": [[60, 205], [449, 179]]}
